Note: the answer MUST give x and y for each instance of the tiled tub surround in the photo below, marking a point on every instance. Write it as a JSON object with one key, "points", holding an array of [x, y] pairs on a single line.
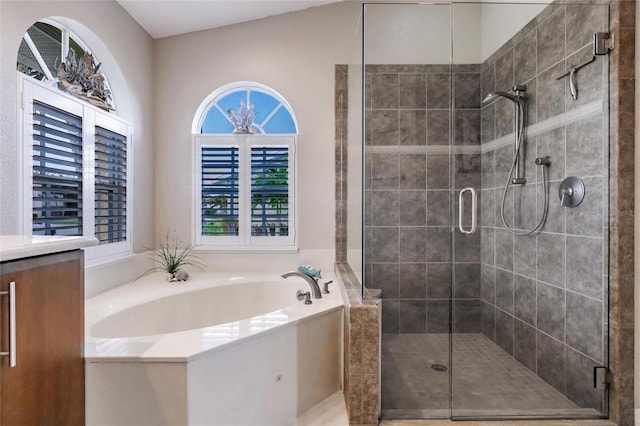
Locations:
{"points": [[362, 341], [341, 103], [407, 214], [362, 318], [541, 298], [544, 296]]}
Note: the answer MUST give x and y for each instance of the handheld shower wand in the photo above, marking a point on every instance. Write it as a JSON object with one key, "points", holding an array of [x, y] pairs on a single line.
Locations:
{"points": [[519, 96]]}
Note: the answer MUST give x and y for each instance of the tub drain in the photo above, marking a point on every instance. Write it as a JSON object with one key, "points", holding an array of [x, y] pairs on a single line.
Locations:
{"points": [[438, 367]]}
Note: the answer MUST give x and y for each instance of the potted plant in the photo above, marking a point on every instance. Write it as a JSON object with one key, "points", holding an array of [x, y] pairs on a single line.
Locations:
{"points": [[173, 259]]}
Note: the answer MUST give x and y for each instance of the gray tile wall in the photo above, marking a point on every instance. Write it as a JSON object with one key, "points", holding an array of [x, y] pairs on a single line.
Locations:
{"points": [[544, 296], [412, 111]]}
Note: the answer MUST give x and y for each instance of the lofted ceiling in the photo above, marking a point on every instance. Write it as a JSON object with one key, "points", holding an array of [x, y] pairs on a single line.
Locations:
{"points": [[163, 18]]}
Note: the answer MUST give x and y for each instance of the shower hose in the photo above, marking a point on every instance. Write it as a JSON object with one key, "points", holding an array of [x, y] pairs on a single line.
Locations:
{"points": [[543, 162]]}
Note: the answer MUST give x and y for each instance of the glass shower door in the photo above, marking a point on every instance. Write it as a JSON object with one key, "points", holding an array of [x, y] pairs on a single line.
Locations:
{"points": [[407, 50], [487, 322], [529, 312]]}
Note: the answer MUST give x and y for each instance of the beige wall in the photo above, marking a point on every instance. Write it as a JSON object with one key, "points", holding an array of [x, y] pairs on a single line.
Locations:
{"points": [[125, 50], [500, 22], [421, 33], [294, 54]]}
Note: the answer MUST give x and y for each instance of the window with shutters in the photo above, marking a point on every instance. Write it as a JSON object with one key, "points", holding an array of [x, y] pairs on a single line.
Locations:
{"points": [[220, 194], [57, 171], [76, 174], [245, 173], [110, 170]]}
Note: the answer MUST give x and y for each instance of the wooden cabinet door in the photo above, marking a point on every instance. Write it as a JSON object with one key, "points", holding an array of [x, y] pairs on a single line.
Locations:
{"points": [[46, 387]]}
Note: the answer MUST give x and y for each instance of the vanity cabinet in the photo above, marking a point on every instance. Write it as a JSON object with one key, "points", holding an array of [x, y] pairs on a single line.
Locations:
{"points": [[46, 385]]}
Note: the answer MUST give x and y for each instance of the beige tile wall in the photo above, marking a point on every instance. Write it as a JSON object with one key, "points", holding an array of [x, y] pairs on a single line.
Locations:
{"points": [[621, 198]]}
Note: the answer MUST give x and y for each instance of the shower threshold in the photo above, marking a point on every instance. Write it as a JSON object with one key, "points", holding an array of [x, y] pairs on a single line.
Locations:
{"points": [[462, 414]]}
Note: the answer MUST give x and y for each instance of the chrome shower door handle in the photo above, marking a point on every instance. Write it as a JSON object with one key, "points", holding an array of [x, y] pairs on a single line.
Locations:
{"points": [[474, 202], [12, 323]]}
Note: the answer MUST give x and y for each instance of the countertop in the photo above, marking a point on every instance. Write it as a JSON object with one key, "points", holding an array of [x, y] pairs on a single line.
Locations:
{"points": [[21, 246]]}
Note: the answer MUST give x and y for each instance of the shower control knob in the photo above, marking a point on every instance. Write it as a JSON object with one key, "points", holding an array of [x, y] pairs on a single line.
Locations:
{"points": [[571, 192], [543, 161]]}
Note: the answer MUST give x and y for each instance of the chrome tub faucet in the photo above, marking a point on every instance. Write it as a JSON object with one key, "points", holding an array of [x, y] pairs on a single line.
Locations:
{"points": [[313, 283]]}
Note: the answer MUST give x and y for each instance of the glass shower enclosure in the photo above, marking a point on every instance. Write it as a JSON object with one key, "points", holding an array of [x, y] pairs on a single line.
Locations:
{"points": [[485, 199]]}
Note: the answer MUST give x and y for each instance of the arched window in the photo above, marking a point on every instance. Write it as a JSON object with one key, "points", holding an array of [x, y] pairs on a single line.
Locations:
{"points": [[51, 53], [244, 136], [228, 106], [75, 151]]}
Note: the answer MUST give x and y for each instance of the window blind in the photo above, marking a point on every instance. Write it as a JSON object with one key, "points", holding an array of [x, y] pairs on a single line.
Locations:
{"points": [[270, 191], [57, 171], [110, 186], [220, 191]]}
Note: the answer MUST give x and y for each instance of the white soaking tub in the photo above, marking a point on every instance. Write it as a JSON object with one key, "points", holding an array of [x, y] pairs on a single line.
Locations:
{"points": [[219, 349]]}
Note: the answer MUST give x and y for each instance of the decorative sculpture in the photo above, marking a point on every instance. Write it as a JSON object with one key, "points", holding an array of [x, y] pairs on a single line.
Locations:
{"points": [[80, 78], [243, 119]]}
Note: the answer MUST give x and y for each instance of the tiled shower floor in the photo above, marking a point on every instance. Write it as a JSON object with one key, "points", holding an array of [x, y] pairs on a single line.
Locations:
{"points": [[486, 381]]}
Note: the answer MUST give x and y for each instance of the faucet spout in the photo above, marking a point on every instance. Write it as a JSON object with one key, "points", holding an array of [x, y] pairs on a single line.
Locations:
{"points": [[315, 288]]}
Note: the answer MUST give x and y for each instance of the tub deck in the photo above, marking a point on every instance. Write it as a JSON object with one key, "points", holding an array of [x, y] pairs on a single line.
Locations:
{"points": [[181, 346]]}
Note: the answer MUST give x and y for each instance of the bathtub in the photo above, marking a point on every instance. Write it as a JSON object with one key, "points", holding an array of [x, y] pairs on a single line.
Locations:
{"points": [[219, 349]]}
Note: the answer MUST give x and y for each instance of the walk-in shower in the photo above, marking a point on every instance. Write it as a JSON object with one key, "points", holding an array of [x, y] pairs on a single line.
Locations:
{"points": [[496, 308]]}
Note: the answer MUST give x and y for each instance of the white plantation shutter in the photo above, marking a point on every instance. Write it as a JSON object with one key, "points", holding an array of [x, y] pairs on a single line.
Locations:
{"points": [[56, 171], [220, 194], [110, 186], [270, 191]]}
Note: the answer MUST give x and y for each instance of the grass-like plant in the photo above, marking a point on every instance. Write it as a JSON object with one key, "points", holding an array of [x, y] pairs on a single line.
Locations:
{"points": [[173, 259]]}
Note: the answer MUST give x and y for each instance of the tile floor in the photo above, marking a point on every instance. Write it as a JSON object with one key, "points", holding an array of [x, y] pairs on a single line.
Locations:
{"points": [[486, 381]]}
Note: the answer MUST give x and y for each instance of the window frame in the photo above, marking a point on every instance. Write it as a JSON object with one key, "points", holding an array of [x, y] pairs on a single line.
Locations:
{"points": [[244, 240], [211, 101], [247, 242], [29, 89], [66, 35]]}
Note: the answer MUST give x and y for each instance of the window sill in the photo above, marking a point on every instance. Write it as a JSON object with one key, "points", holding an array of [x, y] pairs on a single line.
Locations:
{"points": [[241, 250]]}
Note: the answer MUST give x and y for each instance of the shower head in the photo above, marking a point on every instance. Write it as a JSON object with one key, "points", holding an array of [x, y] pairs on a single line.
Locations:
{"points": [[494, 96], [517, 95]]}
